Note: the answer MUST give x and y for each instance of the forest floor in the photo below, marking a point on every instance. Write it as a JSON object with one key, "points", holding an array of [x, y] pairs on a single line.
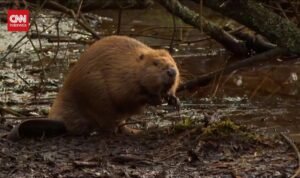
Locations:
{"points": [[219, 149]]}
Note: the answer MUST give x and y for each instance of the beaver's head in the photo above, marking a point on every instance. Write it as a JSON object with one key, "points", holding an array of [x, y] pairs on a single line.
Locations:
{"points": [[158, 75]]}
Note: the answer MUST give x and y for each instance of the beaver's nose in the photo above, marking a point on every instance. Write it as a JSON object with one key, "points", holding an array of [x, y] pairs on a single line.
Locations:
{"points": [[171, 72]]}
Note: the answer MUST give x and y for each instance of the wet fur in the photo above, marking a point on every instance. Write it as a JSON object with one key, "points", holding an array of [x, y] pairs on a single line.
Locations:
{"points": [[114, 79]]}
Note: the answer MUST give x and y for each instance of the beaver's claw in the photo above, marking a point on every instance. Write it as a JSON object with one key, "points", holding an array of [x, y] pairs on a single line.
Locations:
{"points": [[173, 100]]}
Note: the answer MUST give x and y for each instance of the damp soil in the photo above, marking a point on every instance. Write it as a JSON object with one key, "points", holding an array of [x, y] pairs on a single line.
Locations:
{"points": [[218, 150]]}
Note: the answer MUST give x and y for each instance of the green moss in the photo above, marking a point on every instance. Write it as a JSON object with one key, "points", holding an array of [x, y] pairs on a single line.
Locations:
{"points": [[225, 130], [185, 124], [44, 112], [228, 130]]}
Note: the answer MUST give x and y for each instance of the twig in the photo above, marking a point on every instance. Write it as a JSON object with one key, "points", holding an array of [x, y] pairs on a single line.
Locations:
{"points": [[34, 35], [58, 36], [79, 8], [25, 81], [179, 41], [277, 89], [58, 43], [144, 30], [62, 39], [201, 12], [119, 21], [261, 83], [169, 156], [129, 159], [34, 48], [38, 35], [22, 118], [295, 9], [65, 40], [174, 32], [281, 10], [21, 39], [190, 17], [12, 48], [10, 111], [297, 152], [218, 81], [129, 123], [41, 63], [86, 163], [87, 28], [78, 20]]}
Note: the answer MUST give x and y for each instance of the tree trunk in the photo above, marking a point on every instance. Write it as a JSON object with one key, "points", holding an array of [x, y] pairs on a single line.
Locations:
{"points": [[252, 14], [190, 17]]}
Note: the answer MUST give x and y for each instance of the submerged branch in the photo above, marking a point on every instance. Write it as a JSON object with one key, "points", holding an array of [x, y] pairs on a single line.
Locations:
{"points": [[204, 79]]}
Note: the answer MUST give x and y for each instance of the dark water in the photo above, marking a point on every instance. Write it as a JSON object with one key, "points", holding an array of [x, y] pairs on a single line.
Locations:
{"points": [[265, 95]]}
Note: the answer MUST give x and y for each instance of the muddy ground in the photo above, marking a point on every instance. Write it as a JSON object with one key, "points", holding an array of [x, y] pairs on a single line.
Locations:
{"points": [[189, 152]]}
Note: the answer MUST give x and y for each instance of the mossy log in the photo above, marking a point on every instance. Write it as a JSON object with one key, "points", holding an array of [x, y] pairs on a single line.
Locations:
{"points": [[192, 18], [260, 19]]}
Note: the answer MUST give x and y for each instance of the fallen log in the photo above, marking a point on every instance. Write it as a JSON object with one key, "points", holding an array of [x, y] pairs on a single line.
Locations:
{"points": [[190, 17], [254, 15]]}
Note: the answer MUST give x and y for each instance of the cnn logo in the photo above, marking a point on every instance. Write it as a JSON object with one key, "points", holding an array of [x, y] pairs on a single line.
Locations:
{"points": [[18, 20]]}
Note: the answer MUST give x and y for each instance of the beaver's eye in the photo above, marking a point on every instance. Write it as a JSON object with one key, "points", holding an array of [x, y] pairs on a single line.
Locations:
{"points": [[141, 56], [155, 63]]}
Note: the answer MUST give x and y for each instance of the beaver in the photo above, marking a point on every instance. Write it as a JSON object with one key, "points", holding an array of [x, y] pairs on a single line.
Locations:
{"points": [[114, 78]]}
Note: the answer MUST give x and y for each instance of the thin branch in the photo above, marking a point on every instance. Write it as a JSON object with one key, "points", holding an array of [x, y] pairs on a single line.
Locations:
{"points": [[173, 34], [190, 17], [295, 9], [119, 21], [204, 79], [78, 20], [278, 30], [297, 173], [282, 11], [23, 37], [10, 111], [13, 47], [23, 118], [58, 36]]}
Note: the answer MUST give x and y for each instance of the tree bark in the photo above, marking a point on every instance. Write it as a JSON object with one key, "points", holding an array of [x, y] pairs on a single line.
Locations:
{"points": [[190, 17], [252, 14]]}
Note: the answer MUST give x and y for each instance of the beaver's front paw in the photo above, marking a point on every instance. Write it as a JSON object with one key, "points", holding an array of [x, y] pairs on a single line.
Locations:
{"points": [[173, 100]]}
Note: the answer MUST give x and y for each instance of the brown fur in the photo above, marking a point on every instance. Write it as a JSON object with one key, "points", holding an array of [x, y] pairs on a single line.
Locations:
{"points": [[114, 79]]}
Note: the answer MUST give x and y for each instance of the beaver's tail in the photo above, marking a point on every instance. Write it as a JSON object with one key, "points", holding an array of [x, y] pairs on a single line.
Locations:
{"points": [[35, 128]]}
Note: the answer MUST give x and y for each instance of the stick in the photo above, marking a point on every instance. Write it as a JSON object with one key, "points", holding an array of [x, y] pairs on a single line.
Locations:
{"points": [[204, 79], [297, 152], [10, 111], [72, 13]]}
